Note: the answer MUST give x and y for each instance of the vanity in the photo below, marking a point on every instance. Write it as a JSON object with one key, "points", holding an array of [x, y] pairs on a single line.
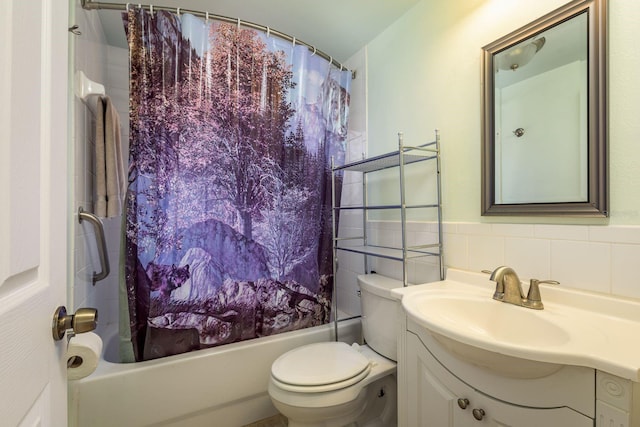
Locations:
{"points": [[465, 359]]}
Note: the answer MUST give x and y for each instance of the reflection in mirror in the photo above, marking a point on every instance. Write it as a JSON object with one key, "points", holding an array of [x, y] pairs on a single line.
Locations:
{"points": [[543, 131]]}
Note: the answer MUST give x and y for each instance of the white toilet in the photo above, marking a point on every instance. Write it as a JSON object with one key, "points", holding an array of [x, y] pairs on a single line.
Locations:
{"points": [[333, 384]]}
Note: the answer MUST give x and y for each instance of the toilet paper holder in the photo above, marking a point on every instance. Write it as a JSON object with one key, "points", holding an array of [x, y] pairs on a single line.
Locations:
{"points": [[84, 320]]}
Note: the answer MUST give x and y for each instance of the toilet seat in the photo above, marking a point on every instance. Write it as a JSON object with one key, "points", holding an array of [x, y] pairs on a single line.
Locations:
{"points": [[320, 367]]}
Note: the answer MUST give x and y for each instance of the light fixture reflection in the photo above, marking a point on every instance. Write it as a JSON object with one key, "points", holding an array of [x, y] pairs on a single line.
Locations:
{"points": [[520, 56]]}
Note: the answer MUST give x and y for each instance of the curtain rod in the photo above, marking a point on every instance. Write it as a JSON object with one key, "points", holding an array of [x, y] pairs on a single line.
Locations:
{"points": [[95, 5]]}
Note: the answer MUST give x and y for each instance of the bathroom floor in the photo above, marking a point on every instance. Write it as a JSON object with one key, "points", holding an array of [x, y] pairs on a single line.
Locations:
{"points": [[275, 421]]}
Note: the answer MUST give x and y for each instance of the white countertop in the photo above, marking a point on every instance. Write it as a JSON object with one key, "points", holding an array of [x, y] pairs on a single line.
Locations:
{"points": [[602, 332]]}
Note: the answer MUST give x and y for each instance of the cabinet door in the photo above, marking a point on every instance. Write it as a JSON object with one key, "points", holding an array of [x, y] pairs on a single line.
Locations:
{"points": [[430, 403]]}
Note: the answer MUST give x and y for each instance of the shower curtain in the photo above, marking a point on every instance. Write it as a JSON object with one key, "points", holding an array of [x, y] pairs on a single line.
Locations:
{"points": [[228, 223]]}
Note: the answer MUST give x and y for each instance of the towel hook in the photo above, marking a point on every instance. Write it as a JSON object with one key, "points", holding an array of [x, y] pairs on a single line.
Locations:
{"points": [[75, 30]]}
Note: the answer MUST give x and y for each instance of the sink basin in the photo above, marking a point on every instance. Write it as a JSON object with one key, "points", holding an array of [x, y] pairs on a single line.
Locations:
{"points": [[464, 323], [489, 319]]}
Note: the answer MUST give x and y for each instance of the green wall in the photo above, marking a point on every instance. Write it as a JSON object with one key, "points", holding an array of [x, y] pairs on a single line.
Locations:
{"points": [[424, 73]]}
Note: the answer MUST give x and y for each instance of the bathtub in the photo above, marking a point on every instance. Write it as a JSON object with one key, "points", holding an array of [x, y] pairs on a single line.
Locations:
{"points": [[217, 387]]}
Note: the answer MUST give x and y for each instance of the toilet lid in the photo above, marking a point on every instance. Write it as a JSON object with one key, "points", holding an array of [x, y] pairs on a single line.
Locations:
{"points": [[319, 364]]}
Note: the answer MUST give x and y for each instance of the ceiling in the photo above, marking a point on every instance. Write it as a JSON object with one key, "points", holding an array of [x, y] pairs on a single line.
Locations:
{"points": [[337, 27]]}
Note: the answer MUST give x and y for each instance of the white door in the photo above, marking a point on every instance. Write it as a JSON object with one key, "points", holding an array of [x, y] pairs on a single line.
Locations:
{"points": [[33, 210]]}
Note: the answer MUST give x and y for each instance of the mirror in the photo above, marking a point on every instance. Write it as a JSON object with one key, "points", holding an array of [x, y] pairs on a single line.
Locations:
{"points": [[544, 148]]}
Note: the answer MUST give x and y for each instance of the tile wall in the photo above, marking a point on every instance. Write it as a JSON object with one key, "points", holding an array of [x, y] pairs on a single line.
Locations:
{"points": [[108, 66]]}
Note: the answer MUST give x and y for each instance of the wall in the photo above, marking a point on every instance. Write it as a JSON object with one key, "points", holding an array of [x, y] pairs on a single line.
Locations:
{"points": [[109, 66], [350, 222], [424, 73]]}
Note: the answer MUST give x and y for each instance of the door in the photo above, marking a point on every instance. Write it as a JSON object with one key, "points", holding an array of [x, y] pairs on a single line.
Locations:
{"points": [[33, 212]]}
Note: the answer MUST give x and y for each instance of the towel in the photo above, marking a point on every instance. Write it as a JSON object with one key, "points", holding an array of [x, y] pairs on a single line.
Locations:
{"points": [[110, 177]]}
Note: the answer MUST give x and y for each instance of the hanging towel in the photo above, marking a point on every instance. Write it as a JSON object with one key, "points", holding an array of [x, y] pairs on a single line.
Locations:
{"points": [[110, 176]]}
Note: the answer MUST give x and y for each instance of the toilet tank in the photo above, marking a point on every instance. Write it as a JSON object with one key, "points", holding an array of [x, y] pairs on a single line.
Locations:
{"points": [[379, 326]]}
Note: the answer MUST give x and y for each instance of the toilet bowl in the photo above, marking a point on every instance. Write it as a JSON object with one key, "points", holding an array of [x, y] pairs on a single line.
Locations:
{"points": [[334, 384]]}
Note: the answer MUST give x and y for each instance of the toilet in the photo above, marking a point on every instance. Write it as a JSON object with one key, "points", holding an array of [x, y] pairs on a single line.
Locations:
{"points": [[334, 384]]}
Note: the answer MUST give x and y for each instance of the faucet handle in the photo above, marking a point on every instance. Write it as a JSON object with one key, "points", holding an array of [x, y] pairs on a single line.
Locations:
{"points": [[534, 300]]}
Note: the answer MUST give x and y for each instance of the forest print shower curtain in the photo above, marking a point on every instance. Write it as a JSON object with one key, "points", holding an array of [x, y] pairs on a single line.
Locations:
{"points": [[228, 224]]}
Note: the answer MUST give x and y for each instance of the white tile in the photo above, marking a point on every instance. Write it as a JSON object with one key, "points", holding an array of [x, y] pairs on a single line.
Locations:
{"points": [[512, 230], [450, 227], [474, 228], [456, 251], [561, 232], [351, 261], [530, 258], [418, 226], [485, 252], [346, 232], [421, 238], [582, 265], [351, 195], [615, 234], [388, 268], [625, 270], [425, 271], [348, 302], [351, 177], [350, 218]]}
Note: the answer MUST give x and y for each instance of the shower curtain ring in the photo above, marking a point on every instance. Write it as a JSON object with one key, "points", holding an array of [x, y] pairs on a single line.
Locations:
{"points": [[206, 17], [294, 42], [151, 9], [314, 51], [178, 11], [238, 23], [127, 7], [268, 31]]}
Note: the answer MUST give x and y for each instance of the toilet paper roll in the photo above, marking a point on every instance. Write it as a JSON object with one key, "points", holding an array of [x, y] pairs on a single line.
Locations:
{"points": [[83, 355]]}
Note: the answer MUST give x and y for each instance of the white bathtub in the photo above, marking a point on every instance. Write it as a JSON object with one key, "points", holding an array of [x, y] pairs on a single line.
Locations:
{"points": [[217, 387]]}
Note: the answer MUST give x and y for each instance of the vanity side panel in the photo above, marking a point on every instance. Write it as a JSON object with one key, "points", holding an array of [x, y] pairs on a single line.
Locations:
{"points": [[611, 416]]}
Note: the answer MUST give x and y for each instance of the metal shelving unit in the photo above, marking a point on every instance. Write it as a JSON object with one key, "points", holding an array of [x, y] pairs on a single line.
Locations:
{"points": [[400, 159]]}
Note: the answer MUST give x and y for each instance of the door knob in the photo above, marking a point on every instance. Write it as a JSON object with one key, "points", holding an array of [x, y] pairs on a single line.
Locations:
{"points": [[84, 320]]}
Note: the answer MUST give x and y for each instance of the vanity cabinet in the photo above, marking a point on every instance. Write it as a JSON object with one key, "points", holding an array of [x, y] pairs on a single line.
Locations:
{"points": [[403, 251], [438, 389], [437, 398], [462, 362]]}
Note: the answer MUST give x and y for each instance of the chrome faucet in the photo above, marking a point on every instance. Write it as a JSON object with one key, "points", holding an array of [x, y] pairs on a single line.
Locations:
{"points": [[509, 288]]}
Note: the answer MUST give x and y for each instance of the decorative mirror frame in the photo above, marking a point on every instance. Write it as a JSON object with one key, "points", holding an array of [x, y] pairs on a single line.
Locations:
{"points": [[597, 204]]}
